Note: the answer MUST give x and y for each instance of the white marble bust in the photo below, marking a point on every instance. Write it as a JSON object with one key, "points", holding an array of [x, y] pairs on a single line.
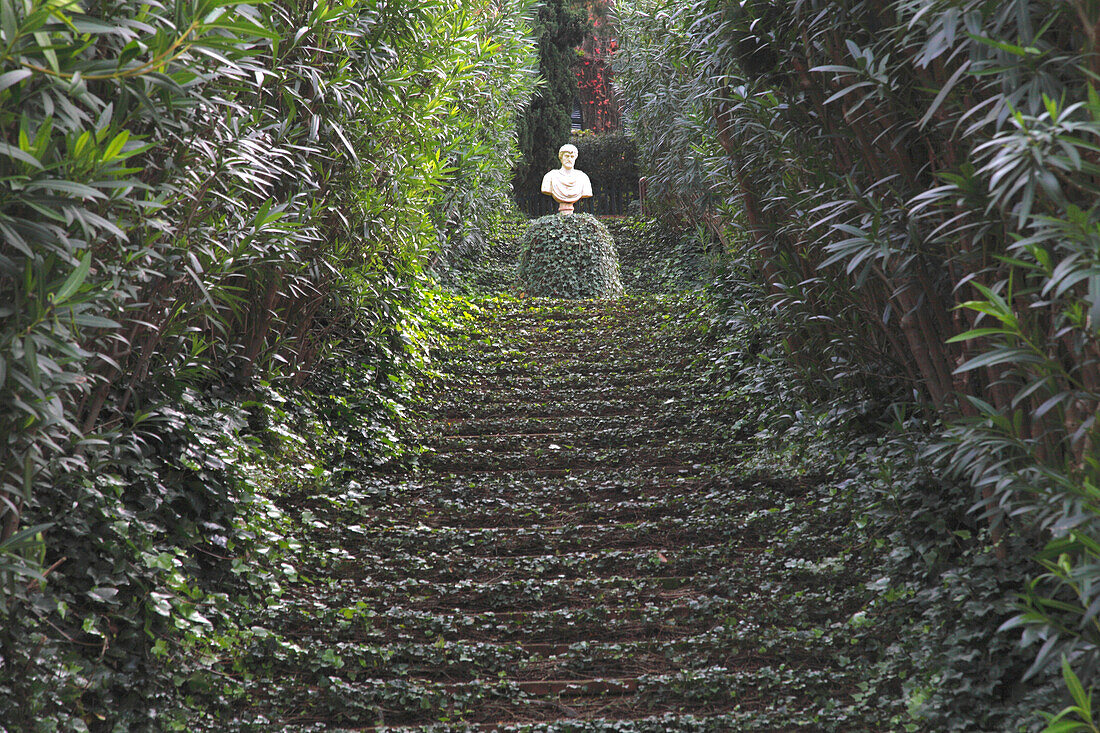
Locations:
{"points": [[567, 184]]}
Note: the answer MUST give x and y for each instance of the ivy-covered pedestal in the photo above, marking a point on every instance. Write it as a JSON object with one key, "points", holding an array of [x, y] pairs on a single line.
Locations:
{"points": [[570, 256]]}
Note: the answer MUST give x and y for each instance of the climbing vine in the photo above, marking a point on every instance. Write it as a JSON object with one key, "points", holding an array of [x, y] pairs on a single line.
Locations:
{"points": [[600, 111]]}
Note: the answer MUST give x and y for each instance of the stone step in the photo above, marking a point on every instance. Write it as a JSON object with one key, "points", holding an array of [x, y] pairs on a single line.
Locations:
{"points": [[316, 618], [439, 509], [370, 701], [543, 539], [519, 594], [570, 552], [548, 425], [570, 382], [449, 660], [631, 435], [640, 394], [570, 457], [669, 722], [636, 562], [661, 411]]}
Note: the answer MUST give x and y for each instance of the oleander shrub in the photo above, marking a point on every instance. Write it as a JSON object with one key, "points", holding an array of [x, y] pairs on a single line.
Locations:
{"points": [[205, 204], [914, 183], [569, 256]]}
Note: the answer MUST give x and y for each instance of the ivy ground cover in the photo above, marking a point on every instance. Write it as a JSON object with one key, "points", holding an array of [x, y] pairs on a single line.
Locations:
{"points": [[578, 548]]}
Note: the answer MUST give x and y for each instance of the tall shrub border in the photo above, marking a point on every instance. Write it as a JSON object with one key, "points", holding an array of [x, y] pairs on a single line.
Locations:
{"points": [[918, 183], [200, 199]]}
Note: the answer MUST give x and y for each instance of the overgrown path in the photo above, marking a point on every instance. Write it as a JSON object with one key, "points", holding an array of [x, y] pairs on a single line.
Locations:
{"points": [[577, 552]]}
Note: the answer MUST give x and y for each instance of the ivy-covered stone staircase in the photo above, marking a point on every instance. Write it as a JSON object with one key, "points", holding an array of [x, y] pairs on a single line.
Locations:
{"points": [[575, 552]]}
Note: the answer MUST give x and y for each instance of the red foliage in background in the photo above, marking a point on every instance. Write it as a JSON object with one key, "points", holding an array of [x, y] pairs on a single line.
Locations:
{"points": [[600, 110]]}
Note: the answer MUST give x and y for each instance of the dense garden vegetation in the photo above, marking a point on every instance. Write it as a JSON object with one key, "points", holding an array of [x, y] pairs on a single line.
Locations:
{"points": [[569, 257], [223, 231], [914, 183], [205, 205]]}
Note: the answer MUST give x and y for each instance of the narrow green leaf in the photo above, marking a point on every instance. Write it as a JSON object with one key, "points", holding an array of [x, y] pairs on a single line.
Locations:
{"points": [[30, 356], [836, 68], [28, 476], [24, 537], [13, 77], [991, 309], [115, 146], [944, 91], [1007, 47], [1076, 690], [1051, 403], [1000, 357], [88, 24], [74, 281], [846, 90], [48, 53], [8, 21], [77, 189], [89, 321], [978, 333], [1094, 308], [13, 152]]}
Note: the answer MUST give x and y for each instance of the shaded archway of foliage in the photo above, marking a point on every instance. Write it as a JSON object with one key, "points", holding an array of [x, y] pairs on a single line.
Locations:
{"points": [[202, 199], [916, 182]]}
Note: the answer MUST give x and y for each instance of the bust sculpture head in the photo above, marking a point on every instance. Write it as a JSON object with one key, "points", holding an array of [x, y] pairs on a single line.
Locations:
{"points": [[567, 154], [567, 185]]}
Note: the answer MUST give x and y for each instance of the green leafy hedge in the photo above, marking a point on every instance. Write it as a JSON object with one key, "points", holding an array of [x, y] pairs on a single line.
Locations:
{"points": [[569, 256], [610, 160]]}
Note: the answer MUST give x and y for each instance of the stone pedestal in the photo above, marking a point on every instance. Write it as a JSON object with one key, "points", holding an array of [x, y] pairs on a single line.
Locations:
{"points": [[565, 207]]}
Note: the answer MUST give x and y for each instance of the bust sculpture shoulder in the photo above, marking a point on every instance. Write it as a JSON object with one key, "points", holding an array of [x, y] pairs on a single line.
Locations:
{"points": [[567, 185]]}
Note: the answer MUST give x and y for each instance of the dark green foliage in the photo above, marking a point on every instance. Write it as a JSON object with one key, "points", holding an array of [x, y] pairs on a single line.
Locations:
{"points": [[656, 257], [491, 268], [569, 257], [943, 576], [202, 200], [915, 185], [752, 571], [653, 258], [938, 590], [384, 590], [610, 160], [544, 126]]}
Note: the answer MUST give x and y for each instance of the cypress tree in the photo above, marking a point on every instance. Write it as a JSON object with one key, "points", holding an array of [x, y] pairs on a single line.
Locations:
{"points": [[545, 125]]}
